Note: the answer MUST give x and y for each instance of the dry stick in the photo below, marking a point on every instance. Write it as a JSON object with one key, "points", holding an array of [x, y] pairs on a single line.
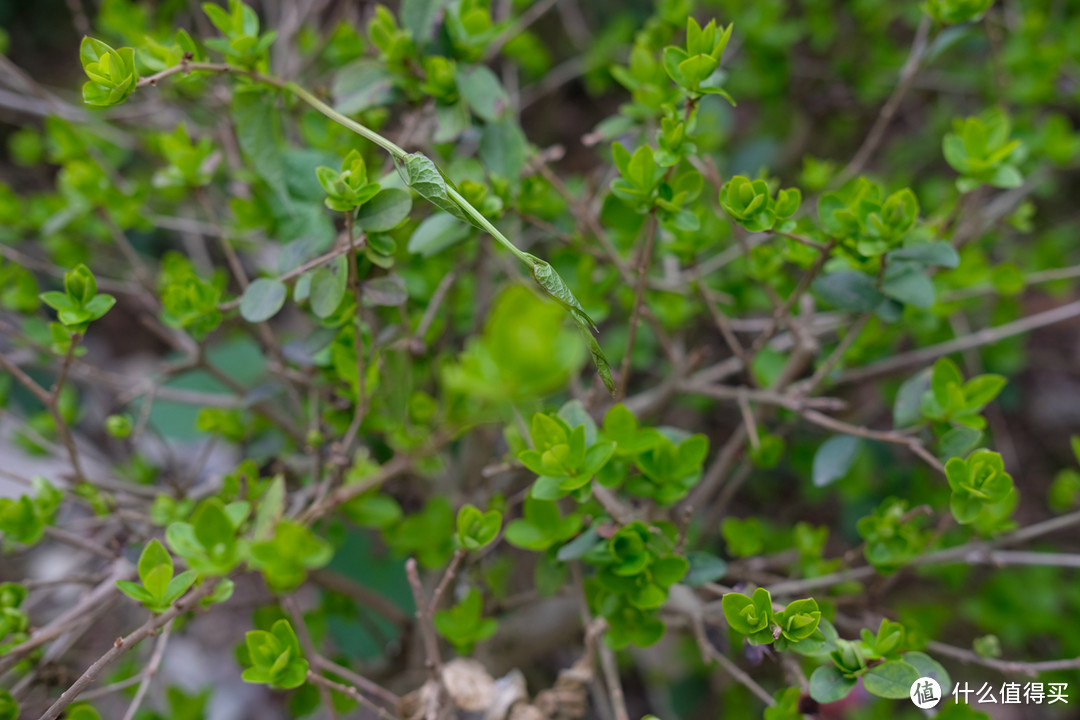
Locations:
{"points": [[69, 538], [51, 398], [709, 652], [150, 671], [587, 222], [877, 131], [614, 507], [644, 260], [970, 552], [114, 687], [1035, 278], [607, 655], [897, 438], [433, 306], [781, 314], [748, 419], [394, 467], [266, 409], [611, 677], [25, 380], [83, 612], [987, 336], [762, 397], [433, 660], [723, 323], [447, 579], [806, 387], [263, 328], [348, 690], [1005, 666], [358, 680], [729, 454], [120, 646]]}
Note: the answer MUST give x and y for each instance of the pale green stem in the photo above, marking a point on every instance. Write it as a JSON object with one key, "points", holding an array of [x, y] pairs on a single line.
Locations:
{"points": [[400, 155], [395, 151], [491, 229], [340, 119]]}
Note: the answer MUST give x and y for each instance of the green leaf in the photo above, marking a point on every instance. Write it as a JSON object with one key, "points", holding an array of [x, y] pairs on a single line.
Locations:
{"points": [[978, 391], [153, 556], [437, 232], [577, 547], [502, 148], [82, 711], [258, 131], [927, 666], [908, 283], [376, 511], [848, 290], [828, 684], [386, 291], [483, 92], [547, 278], [262, 299], [134, 591], [179, 585], [422, 175], [360, 85], [958, 442], [927, 254], [748, 615], [212, 525], [9, 709], [328, 286], [907, 408], [891, 679], [945, 374], [270, 509], [834, 458], [420, 17], [704, 568], [476, 529], [385, 211]]}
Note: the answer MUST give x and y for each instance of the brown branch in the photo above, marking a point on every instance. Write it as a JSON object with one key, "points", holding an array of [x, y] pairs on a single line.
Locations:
{"points": [[890, 436], [349, 691], [1009, 667], [971, 552], [643, 261], [121, 646], [987, 336], [433, 660], [150, 671]]}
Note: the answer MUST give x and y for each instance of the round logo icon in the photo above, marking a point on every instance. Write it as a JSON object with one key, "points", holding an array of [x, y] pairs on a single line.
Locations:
{"points": [[925, 693]]}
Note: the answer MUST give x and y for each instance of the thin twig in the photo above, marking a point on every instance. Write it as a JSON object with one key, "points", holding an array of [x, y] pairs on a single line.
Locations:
{"points": [[447, 579], [643, 262], [349, 691], [433, 660], [1009, 667], [150, 671], [888, 110], [121, 646], [967, 553], [987, 336]]}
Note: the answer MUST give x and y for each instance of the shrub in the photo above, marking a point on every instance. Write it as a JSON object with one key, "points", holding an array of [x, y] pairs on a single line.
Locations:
{"points": [[739, 373]]}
